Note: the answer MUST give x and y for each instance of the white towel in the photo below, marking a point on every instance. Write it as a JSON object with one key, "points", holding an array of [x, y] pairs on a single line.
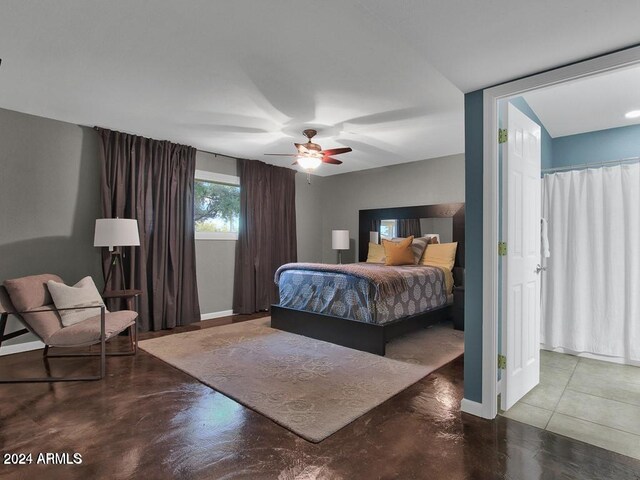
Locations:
{"points": [[546, 253]]}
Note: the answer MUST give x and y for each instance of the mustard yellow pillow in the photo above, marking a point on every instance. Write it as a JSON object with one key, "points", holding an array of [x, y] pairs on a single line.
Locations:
{"points": [[448, 278], [399, 253], [440, 255], [376, 253]]}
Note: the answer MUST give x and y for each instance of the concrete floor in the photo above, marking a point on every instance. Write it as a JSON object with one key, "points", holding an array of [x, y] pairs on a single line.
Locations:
{"points": [[147, 419], [589, 400]]}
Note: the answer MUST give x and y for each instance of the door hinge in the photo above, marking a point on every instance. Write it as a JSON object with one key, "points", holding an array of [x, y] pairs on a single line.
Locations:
{"points": [[502, 362], [502, 249], [502, 135]]}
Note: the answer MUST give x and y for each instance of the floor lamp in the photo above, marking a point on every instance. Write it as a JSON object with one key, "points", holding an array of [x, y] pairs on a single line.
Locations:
{"points": [[340, 241], [115, 233]]}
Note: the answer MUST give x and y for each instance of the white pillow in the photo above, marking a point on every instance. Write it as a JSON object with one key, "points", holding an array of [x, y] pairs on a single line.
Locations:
{"points": [[82, 294]]}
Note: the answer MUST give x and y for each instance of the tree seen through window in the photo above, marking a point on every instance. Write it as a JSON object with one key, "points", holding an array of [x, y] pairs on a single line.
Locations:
{"points": [[216, 207]]}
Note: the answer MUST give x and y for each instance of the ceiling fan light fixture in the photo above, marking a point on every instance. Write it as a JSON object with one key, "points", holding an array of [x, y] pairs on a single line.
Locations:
{"points": [[310, 155], [309, 162]]}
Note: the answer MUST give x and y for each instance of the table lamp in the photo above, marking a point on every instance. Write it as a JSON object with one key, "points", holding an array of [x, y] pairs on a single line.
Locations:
{"points": [[340, 241]]}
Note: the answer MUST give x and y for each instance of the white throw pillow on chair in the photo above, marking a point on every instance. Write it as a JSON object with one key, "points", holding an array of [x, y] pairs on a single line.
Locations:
{"points": [[82, 294]]}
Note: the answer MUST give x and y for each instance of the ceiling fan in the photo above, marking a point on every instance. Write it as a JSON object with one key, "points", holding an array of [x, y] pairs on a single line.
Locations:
{"points": [[310, 155]]}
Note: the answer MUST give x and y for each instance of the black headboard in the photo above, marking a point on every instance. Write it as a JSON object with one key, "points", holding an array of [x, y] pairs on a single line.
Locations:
{"points": [[442, 210]]}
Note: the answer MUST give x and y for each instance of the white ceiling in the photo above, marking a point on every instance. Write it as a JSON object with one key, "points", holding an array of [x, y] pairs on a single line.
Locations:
{"points": [[595, 103], [245, 77]]}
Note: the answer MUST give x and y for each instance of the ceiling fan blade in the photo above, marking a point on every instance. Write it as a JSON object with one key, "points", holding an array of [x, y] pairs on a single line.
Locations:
{"points": [[327, 159], [283, 154], [302, 148], [336, 151]]}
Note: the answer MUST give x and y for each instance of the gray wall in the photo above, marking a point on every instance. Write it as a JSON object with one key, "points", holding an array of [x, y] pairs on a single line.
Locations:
{"points": [[49, 200], [442, 226], [215, 259], [326, 204], [309, 199], [427, 182]]}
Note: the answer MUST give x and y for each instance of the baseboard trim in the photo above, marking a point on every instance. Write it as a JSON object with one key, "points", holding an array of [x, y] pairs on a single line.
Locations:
{"points": [[21, 347], [592, 356], [471, 407], [222, 313]]}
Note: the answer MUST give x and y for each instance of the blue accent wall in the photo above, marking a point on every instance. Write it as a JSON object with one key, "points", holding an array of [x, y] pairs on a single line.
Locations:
{"points": [[546, 144], [596, 147], [473, 118]]}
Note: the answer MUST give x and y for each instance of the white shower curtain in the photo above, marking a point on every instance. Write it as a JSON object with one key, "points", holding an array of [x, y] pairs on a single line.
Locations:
{"points": [[591, 288]]}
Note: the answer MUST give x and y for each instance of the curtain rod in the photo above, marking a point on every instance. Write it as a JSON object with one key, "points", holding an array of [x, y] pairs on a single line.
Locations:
{"points": [[591, 165], [215, 154]]}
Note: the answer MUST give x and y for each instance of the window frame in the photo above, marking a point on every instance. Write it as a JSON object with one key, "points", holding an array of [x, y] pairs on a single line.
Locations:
{"points": [[213, 177]]}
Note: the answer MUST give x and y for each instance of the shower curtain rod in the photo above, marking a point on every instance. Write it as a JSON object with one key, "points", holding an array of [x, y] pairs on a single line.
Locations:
{"points": [[591, 165]]}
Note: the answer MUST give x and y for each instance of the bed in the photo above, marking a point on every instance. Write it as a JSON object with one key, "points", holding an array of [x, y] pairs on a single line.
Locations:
{"points": [[361, 305]]}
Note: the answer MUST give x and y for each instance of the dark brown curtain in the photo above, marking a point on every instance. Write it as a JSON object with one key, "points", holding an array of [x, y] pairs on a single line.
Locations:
{"points": [[405, 227], [152, 181], [267, 233]]}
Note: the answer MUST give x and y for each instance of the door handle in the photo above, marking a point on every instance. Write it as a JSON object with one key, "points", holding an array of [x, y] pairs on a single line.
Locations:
{"points": [[539, 268]]}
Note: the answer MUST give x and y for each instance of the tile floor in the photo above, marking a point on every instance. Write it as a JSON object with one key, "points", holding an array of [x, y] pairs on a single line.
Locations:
{"points": [[589, 400]]}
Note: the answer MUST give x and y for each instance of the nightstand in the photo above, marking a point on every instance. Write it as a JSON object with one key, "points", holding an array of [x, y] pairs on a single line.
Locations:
{"points": [[458, 308]]}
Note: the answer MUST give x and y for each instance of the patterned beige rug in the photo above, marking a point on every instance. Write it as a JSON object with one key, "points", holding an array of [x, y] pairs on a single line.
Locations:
{"points": [[310, 387]]}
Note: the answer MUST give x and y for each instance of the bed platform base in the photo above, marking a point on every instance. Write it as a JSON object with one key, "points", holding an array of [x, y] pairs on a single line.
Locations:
{"points": [[368, 337]]}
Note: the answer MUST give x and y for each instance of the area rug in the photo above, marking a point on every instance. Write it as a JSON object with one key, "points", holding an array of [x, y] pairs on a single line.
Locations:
{"points": [[310, 387]]}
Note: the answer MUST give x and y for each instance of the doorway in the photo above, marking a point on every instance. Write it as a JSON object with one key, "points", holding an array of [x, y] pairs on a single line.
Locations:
{"points": [[578, 390], [490, 294]]}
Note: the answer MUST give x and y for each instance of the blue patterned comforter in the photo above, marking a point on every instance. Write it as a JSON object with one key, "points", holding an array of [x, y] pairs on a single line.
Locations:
{"points": [[346, 296]]}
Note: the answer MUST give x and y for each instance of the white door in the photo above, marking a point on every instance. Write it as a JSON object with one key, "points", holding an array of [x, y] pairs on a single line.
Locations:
{"points": [[521, 271]]}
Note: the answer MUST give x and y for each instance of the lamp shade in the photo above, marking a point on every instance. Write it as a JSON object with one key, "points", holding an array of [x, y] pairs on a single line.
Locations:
{"points": [[116, 232], [340, 239], [374, 237]]}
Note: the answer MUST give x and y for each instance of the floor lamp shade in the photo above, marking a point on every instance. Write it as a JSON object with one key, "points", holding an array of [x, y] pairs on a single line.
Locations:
{"points": [[113, 233], [116, 232], [340, 239]]}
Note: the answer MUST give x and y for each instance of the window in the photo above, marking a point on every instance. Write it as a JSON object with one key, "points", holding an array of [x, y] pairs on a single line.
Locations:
{"points": [[216, 206], [387, 229]]}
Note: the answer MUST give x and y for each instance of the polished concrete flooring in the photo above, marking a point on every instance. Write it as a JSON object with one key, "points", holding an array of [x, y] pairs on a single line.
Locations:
{"points": [[590, 400], [148, 420]]}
